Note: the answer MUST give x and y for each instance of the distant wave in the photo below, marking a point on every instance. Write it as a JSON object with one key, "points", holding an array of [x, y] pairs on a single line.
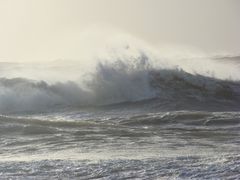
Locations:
{"points": [[117, 82], [228, 57]]}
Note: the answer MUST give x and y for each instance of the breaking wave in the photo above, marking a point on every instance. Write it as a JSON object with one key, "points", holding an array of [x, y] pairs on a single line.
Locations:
{"points": [[130, 78]]}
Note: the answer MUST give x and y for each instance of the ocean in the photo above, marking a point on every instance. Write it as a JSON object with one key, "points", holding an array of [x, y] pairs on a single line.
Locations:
{"points": [[125, 120]]}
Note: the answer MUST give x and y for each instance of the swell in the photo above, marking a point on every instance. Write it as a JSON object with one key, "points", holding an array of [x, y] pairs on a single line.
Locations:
{"points": [[178, 119]]}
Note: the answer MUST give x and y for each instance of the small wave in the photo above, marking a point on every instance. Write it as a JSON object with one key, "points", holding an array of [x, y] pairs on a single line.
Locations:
{"points": [[196, 118], [23, 121]]}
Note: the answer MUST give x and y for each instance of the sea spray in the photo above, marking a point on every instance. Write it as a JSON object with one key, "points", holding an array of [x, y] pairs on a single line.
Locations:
{"points": [[125, 70]]}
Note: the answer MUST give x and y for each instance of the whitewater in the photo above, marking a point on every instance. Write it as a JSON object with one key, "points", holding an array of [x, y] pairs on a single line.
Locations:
{"points": [[128, 113]]}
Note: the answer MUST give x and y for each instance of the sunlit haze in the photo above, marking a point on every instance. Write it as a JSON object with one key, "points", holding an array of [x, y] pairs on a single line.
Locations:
{"points": [[46, 30]]}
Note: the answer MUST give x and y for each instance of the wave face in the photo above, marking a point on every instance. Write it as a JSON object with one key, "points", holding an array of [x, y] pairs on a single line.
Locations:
{"points": [[126, 78]]}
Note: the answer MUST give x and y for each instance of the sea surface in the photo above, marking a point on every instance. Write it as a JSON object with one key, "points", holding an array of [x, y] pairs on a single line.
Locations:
{"points": [[129, 121]]}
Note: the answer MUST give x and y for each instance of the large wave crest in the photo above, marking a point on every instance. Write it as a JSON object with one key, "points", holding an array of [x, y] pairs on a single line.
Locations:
{"points": [[126, 77]]}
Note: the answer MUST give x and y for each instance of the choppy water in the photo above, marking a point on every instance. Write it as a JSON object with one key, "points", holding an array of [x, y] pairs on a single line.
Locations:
{"points": [[118, 144]]}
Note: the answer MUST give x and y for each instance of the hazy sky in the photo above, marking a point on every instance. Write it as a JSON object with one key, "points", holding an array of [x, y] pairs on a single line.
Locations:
{"points": [[49, 29]]}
